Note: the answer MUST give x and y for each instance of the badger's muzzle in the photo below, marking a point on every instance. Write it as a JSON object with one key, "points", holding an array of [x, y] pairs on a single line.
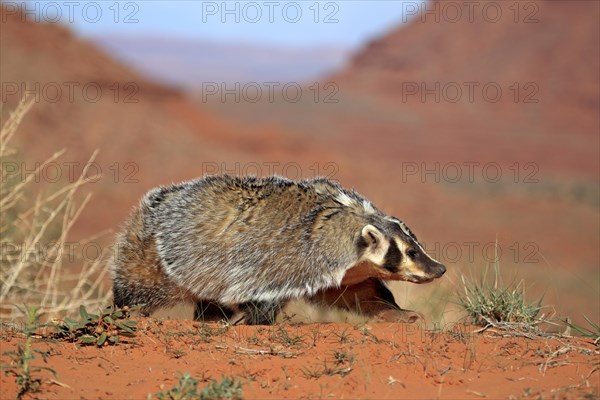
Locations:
{"points": [[427, 272], [437, 270]]}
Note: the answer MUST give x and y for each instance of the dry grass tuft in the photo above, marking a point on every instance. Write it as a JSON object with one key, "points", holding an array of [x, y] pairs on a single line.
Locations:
{"points": [[490, 303], [34, 265]]}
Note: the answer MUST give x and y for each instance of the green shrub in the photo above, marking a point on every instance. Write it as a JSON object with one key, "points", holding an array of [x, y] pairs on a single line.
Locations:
{"points": [[488, 301]]}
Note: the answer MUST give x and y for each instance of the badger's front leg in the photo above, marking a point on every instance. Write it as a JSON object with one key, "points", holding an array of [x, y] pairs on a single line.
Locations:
{"points": [[370, 297]]}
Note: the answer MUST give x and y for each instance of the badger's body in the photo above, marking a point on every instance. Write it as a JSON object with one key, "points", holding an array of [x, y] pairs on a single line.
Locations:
{"points": [[251, 244]]}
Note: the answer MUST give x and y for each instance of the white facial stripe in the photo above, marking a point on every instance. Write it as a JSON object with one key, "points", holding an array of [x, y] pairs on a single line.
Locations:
{"points": [[427, 254], [402, 226], [405, 229]]}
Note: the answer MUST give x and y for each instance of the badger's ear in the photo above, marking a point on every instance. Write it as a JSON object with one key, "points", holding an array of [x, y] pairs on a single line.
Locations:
{"points": [[373, 237]]}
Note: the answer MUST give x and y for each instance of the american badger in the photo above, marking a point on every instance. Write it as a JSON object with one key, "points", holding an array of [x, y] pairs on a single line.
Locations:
{"points": [[246, 246]]}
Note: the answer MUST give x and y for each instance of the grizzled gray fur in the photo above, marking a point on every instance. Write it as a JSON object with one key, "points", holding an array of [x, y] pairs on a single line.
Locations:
{"points": [[249, 245]]}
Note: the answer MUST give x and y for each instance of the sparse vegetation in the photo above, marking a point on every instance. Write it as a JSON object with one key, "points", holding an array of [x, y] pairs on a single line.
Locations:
{"points": [[592, 331], [34, 237], [206, 331], [281, 335], [187, 389], [227, 388], [343, 357], [21, 366], [109, 327], [489, 302], [343, 336], [368, 335], [343, 363]]}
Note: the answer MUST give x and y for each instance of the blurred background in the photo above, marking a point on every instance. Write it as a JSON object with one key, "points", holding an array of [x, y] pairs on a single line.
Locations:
{"points": [[477, 123]]}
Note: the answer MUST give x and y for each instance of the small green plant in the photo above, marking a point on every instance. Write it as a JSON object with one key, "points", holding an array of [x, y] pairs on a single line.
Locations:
{"points": [[206, 332], [341, 357], [176, 353], [343, 336], [228, 388], [281, 335], [327, 370], [21, 366], [255, 340], [489, 302], [367, 335], [187, 389], [343, 366], [591, 332], [109, 327]]}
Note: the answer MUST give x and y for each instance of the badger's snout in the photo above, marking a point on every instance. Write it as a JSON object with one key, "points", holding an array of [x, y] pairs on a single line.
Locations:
{"points": [[438, 270], [430, 271], [426, 273]]}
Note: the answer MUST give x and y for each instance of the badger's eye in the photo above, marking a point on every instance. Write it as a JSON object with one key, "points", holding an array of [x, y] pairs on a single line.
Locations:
{"points": [[412, 254]]}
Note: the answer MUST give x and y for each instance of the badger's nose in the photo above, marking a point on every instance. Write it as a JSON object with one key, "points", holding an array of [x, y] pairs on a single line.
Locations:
{"points": [[439, 270]]}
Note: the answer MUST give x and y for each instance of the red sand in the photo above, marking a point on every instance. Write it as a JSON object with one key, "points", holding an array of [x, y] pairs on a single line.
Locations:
{"points": [[290, 361]]}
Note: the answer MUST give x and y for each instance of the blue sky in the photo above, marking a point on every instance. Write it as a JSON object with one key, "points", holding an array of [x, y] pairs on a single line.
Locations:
{"points": [[288, 23]]}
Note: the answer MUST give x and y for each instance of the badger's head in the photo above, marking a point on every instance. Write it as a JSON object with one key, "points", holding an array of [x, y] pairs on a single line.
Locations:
{"points": [[388, 249]]}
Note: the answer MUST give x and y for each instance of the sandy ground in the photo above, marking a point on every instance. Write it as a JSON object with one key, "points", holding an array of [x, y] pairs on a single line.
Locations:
{"points": [[319, 361]]}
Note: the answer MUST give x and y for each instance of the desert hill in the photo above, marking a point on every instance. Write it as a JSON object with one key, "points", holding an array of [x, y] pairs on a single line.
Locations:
{"points": [[441, 74], [520, 88]]}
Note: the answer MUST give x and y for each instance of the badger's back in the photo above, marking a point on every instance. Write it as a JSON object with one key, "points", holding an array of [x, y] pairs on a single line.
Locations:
{"points": [[250, 239]]}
